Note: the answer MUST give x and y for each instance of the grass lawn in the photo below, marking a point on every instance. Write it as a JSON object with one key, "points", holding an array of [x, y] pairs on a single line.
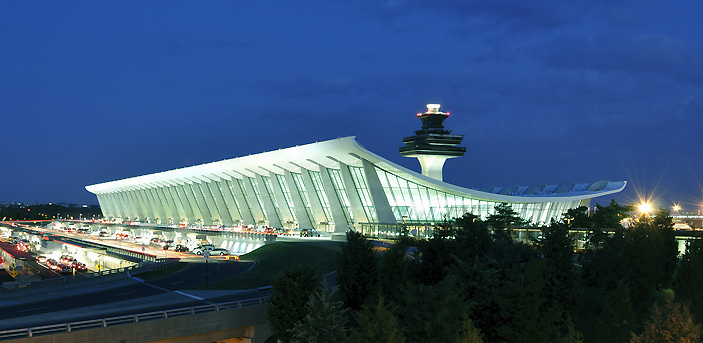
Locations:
{"points": [[147, 276], [273, 258]]}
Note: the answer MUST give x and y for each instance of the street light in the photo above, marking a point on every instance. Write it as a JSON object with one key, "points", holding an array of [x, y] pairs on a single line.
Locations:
{"points": [[676, 208], [645, 208]]}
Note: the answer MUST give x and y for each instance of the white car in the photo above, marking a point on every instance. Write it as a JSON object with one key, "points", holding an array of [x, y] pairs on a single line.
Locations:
{"points": [[200, 249]]}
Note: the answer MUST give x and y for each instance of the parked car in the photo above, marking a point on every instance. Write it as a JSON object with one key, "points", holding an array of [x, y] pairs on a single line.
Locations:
{"points": [[66, 259], [200, 249], [52, 264], [41, 259], [309, 233], [180, 248], [78, 266], [64, 268], [219, 251]]}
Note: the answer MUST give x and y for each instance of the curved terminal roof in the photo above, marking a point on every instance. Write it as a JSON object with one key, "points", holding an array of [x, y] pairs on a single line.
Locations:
{"points": [[347, 151]]}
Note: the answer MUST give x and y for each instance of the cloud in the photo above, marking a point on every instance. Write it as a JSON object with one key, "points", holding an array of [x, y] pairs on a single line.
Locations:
{"points": [[528, 15], [648, 53]]}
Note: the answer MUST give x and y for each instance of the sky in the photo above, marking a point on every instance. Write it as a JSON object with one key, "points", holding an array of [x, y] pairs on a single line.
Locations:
{"points": [[543, 91]]}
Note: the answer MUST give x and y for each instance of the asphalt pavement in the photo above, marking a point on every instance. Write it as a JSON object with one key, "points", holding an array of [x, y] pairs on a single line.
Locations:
{"points": [[120, 296]]}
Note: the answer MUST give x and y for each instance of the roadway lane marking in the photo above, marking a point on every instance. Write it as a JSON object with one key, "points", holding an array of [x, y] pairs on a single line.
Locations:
{"points": [[189, 295], [33, 309], [176, 282], [121, 294]]}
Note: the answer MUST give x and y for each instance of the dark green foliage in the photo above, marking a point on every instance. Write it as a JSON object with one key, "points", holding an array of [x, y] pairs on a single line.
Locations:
{"points": [[479, 283], [650, 257], [468, 284], [357, 268], [526, 314], [325, 320], [596, 238], [609, 217], [287, 304], [504, 220], [432, 313], [393, 272], [557, 250], [617, 319], [577, 218], [689, 278], [643, 255], [434, 258], [473, 238], [377, 323]]}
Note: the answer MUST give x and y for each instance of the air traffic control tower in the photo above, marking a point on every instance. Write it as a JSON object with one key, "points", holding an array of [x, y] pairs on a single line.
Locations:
{"points": [[433, 144]]}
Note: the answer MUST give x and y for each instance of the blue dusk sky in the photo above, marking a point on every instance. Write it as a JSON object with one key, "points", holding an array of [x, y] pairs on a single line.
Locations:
{"points": [[543, 91]]}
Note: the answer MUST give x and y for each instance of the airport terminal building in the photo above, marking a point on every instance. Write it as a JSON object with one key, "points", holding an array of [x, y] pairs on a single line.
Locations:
{"points": [[333, 186]]}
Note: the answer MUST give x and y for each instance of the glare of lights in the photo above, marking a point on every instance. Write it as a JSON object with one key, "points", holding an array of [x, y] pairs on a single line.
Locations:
{"points": [[677, 208], [645, 208]]}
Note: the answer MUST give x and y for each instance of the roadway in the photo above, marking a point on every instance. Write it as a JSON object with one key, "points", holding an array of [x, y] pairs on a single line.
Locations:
{"points": [[128, 296]]}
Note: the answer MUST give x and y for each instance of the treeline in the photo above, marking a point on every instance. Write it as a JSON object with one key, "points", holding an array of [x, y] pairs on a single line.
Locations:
{"points": [[48, 211], [472, 282]]}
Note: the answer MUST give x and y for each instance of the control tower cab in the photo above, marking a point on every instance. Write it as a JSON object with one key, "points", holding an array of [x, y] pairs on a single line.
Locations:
{"points": [[433, 144]]}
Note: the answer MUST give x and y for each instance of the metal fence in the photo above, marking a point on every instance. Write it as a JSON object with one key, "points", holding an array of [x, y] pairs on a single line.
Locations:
{"points": [[128, 319]]}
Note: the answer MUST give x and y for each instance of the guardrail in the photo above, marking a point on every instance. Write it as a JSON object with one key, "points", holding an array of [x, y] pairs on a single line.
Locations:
{"points": [[71, 280], [128, 319]]}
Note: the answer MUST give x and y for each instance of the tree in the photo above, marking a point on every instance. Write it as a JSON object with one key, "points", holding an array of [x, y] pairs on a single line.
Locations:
{"points": [[557, 250], [470, 333], [393, 276], [287, 304], [473, 238], [577, 217], [325, 320], [689, 278], [617, 318], [611, 216], [377, 323], [526, 314], [503, 220], [433, 259], [672, 324], [357, 266], [432, 313], [650, 256]]}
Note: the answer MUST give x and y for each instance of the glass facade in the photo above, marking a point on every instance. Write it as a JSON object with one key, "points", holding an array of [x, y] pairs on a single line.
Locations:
{"points": [[341, 192], [240, 184], [321, 196], [255, 186], [362, 188], [337, 189], [300, 188], [269, 190], [286, 195]]}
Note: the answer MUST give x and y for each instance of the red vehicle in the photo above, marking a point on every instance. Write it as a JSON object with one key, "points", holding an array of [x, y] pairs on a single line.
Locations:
{"points": [[122, 235], [52, 264], [23, 245], [66, 259], [80, 267]]}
